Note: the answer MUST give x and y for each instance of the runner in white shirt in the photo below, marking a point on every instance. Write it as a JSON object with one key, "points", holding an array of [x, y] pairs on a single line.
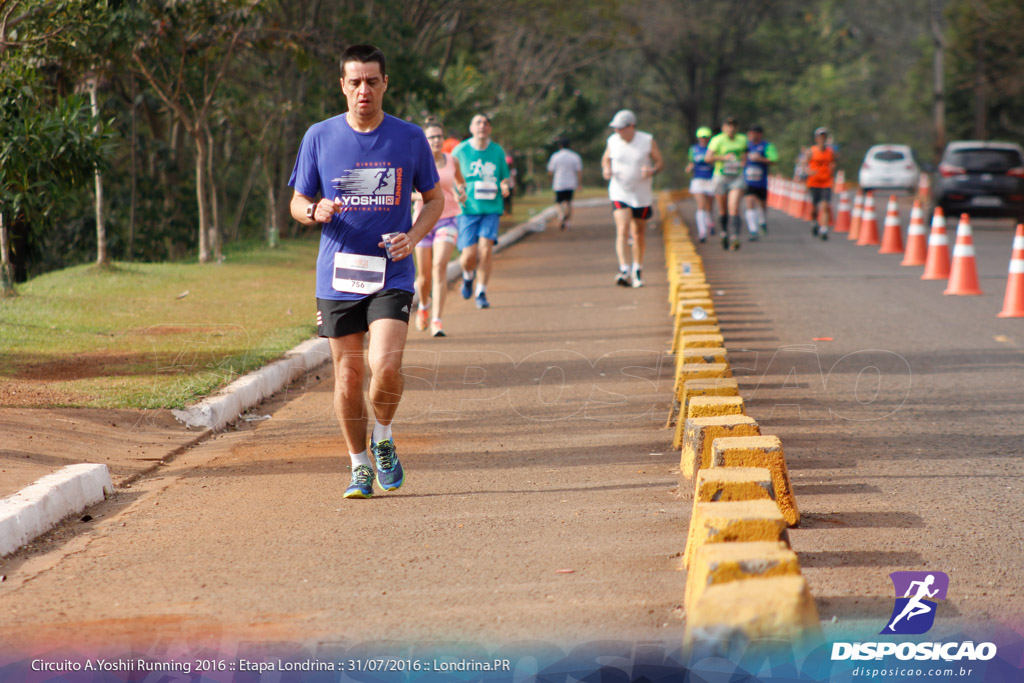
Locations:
{"points": [[630, 161], [566, 170]]}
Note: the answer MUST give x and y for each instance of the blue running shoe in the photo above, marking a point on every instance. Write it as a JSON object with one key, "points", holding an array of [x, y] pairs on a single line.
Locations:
{"points": [[481, 301], [467, 287], [389, 471], [362, 483]]}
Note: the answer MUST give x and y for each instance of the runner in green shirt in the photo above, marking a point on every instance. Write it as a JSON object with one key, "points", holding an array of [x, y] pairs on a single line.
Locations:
{"points": [[728, 151]]}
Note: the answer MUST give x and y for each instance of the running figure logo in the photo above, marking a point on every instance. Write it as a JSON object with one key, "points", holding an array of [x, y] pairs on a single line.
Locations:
{"points": [[913, 613], [367, 187]]}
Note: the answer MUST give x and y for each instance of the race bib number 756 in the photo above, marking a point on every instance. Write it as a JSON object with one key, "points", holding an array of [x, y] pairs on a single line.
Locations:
{"points": [[357, 274]]}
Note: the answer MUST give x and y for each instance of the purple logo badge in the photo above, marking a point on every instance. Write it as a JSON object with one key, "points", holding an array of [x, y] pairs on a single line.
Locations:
{"points": [[916, 593]]}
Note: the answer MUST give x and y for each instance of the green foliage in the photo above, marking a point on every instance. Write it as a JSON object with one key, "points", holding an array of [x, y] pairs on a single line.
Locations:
{"points": [[545, 70], [48, 147]]}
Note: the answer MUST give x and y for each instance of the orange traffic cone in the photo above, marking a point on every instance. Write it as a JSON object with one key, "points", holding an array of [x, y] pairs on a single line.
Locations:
{"points": [[924, 187], [892, 238], [791, 203], [868, 223], [808, 210], [936, 265], [843, 217], [963, 276], [1013, 302], [855, 217], [917, 241], [840, 182]]}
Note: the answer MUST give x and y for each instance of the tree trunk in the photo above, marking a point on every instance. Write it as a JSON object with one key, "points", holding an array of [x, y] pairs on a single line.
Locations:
{"points": [[204, 218], [449, 46], [6, 276], [215, 233], [271, 207], [980, 104], [133, 148], [102, 258], [938, 71]]}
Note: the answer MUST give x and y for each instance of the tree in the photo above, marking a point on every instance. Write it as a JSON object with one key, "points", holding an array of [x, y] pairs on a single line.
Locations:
{"points": [[48, 141], [183, 55], [47, 144]]}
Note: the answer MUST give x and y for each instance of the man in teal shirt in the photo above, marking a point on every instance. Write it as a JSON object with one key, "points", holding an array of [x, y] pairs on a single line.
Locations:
{"points": [[728, 150], [487, 181]]}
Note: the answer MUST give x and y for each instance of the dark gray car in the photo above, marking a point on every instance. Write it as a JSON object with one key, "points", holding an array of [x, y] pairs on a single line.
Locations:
{"points": [[981, 179]]}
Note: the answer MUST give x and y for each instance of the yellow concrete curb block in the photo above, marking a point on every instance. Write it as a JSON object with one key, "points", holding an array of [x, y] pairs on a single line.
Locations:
{"points": [[700, 432], [717, 386], [760, 451], [726, 485], [687, 325], [702, 354], [714, 406], [732, 522], [778, 607], [696, 341], [719, 563], [684, 307], [688, 371]]}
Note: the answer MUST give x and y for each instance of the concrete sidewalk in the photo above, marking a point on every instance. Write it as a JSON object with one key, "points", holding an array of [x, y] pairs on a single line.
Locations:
{"points": [[540, 500]]}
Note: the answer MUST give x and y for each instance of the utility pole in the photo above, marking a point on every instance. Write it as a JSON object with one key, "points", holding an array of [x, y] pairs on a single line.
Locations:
{"points": [[938, 69]]}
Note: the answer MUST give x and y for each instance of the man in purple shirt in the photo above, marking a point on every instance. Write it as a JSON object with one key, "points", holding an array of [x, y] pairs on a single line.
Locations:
{"points": [[354, 175]]}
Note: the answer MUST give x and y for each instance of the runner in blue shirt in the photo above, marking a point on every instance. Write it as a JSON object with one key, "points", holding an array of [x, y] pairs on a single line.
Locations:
{"points": [[702, 185], [761, 154], [354, 176]]}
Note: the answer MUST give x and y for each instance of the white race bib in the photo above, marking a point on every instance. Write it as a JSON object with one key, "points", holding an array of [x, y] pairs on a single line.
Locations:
{"points": [[357, 274], [754, 173], [732, 167], [485, 189]]}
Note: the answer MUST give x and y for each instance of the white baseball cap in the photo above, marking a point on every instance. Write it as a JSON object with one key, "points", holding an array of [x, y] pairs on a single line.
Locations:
{"points": [[623, 118]]}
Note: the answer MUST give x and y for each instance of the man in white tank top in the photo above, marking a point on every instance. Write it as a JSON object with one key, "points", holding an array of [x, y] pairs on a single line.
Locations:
{"points": [[630, 160]]}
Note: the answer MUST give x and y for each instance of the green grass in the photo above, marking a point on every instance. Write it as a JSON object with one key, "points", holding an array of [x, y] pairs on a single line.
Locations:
{"points": [[128, 336]]}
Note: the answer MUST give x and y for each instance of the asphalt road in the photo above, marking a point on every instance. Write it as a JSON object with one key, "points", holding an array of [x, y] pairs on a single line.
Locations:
{"points": [[903, 434], [540, 507]]}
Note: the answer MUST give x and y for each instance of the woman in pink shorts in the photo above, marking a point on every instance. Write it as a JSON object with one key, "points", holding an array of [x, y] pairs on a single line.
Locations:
{"points": [[435, 250]]}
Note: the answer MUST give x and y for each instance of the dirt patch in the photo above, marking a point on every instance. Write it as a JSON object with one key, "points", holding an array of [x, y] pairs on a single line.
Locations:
{"points": [[39, 441], [168, 330]]}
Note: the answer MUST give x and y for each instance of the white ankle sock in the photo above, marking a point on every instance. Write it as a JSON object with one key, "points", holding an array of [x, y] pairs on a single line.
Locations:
{"points": [[359, 459], [381, 432], [752, 223]]}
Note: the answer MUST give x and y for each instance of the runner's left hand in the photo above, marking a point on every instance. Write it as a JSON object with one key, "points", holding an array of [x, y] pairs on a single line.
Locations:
{"points": [[401, 247]]}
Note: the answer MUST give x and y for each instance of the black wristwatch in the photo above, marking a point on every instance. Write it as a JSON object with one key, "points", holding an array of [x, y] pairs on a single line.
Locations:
{"points": [[310, 210]]}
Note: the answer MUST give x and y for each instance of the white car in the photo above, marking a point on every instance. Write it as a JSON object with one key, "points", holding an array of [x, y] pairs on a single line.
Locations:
{"points": [[889, 167]]}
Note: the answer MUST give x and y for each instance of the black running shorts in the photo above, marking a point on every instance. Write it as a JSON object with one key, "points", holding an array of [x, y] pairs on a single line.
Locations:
{"points": [[759, 192], [640, 213], [563, 196], [820, 194], [342, 318]]}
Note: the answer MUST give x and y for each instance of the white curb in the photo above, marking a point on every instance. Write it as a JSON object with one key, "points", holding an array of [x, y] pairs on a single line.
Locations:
{"points": [[215, 412], [38, 507]]}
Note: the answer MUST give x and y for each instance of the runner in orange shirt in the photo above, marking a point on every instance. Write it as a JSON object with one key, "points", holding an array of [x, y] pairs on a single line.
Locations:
{"points": [[821, 168]]}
